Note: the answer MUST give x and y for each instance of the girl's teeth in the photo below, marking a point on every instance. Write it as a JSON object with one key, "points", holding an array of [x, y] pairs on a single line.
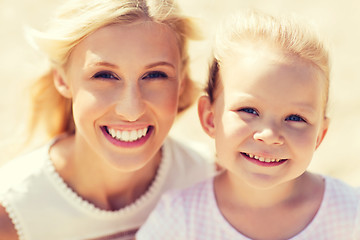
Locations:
{"points": [[263, 159], [127, 136]]}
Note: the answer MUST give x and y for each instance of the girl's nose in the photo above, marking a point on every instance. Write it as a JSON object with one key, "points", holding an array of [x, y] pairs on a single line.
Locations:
{"points": [[130, 105], [269, 135]]}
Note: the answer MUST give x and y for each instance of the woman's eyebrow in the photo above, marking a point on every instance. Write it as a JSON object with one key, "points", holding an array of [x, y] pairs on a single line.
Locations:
{"points": [[162, 63], [103, 64]]}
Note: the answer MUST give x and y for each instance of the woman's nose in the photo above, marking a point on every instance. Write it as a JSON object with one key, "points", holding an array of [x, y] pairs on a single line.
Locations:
{"points": [[130, 105], [269, 135]]}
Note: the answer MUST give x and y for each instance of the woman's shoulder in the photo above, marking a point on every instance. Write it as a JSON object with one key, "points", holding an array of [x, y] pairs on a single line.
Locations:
{"points": [[189, 151], [20, 168], [190, 162], [7, 228]]}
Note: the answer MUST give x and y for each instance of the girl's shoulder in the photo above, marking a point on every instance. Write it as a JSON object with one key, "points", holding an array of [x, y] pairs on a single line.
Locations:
{"points": [[171, 217], [341, 191], [335, 219]]}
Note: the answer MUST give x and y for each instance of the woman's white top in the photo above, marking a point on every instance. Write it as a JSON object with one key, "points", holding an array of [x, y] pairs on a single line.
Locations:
{"points": [[42, 206]]}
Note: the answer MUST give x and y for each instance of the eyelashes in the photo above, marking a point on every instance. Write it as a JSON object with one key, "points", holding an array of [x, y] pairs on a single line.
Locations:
{"points": [[106, 75], [112, 76], [295, 118], [249, 111], [155, 75], [291, 118]]}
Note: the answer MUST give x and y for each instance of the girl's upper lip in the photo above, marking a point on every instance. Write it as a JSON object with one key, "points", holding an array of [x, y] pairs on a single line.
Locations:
{"points": [[265, 155]]}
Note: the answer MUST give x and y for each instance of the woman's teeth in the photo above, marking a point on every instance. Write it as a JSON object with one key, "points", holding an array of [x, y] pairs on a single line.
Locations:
{"points": [[127, 136], [262, 159]]}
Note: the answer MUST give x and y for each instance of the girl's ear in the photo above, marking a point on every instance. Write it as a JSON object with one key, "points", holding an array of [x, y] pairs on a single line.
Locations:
{"points": [[323, 131], [206, 115], [60, 84]]}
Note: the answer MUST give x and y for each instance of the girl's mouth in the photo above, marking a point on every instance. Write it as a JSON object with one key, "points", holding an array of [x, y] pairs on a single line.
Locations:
{"points": [[264, 161]]}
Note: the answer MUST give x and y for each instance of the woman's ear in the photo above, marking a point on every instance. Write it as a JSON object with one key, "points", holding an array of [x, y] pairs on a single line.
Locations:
{"points": [[206, 115], [323, 131], [60, 83]]}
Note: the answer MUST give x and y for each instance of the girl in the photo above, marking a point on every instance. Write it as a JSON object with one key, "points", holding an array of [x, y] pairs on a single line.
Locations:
{"points": [[266, 109], [118, 78]]}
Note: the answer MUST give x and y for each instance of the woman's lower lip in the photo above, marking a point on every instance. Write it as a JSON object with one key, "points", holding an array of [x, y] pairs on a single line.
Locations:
{"points": [[124, 144], [263, 164]]}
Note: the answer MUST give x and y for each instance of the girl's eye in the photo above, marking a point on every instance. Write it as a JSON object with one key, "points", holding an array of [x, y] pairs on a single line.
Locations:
{"points": [[155, 74], [295, 118], [105, 75], [249, 110]]}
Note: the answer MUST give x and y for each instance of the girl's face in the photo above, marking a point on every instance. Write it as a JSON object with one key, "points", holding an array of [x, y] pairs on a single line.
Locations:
{"points": [[268, 116], [124, 81]]}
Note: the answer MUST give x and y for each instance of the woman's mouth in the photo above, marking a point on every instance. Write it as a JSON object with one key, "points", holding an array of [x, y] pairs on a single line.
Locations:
{"points": [[127, 138], [125, 135]]}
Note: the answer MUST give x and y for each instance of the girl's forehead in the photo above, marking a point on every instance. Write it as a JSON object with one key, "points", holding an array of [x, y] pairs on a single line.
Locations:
{"points": [[256, 68], [265, 56]]}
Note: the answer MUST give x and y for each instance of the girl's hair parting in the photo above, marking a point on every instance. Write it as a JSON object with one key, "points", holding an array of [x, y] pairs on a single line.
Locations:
{"points": [[286, 33], [76, 20]]}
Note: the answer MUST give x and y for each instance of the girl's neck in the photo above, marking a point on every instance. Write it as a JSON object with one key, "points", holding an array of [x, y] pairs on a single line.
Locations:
{"points": [[243, 193], [281, 212], [97, 181]]}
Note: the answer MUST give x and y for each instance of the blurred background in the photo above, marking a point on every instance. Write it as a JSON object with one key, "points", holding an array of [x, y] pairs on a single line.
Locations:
{"points": [[337, 21]]}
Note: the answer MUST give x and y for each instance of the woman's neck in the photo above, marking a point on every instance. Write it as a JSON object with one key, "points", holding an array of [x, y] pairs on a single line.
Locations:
{"points": [[97, 181]]}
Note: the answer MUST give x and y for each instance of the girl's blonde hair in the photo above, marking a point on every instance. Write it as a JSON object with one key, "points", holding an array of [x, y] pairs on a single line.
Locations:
{"points": [[288, 34], [76, 20]]}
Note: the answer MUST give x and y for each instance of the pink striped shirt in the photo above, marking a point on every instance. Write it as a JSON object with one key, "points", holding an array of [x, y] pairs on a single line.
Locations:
{"points": [[193, 214]]}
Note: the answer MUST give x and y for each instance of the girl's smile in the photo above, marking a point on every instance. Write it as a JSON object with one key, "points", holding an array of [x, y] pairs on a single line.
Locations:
{"points": [[263, 161]]}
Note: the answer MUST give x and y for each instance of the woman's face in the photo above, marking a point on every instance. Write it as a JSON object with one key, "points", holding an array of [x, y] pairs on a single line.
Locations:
{"points": [[124, 81]]}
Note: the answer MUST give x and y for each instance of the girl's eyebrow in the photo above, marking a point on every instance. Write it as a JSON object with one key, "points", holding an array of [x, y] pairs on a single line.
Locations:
{"points": [[304, 107]]}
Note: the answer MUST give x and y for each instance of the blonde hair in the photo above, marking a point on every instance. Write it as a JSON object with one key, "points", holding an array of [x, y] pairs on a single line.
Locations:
{"points": [[288, 34], [76, 20]]}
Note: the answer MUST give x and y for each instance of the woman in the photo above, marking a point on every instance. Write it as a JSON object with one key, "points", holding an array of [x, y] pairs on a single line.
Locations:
{"points": [[118, 78]]}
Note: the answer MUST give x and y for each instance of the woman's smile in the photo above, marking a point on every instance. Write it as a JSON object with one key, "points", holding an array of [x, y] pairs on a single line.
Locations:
{"points": [[127, 138]]}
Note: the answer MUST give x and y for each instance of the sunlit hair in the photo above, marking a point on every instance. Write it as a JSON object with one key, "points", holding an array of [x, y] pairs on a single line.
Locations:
{"points": [[76, 20], [287, 34]]}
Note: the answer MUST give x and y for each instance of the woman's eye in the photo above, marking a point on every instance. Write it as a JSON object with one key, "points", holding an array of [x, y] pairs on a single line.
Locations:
{"points": [[155, 74], [105, 75], [249, 110], [295, 118]]}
